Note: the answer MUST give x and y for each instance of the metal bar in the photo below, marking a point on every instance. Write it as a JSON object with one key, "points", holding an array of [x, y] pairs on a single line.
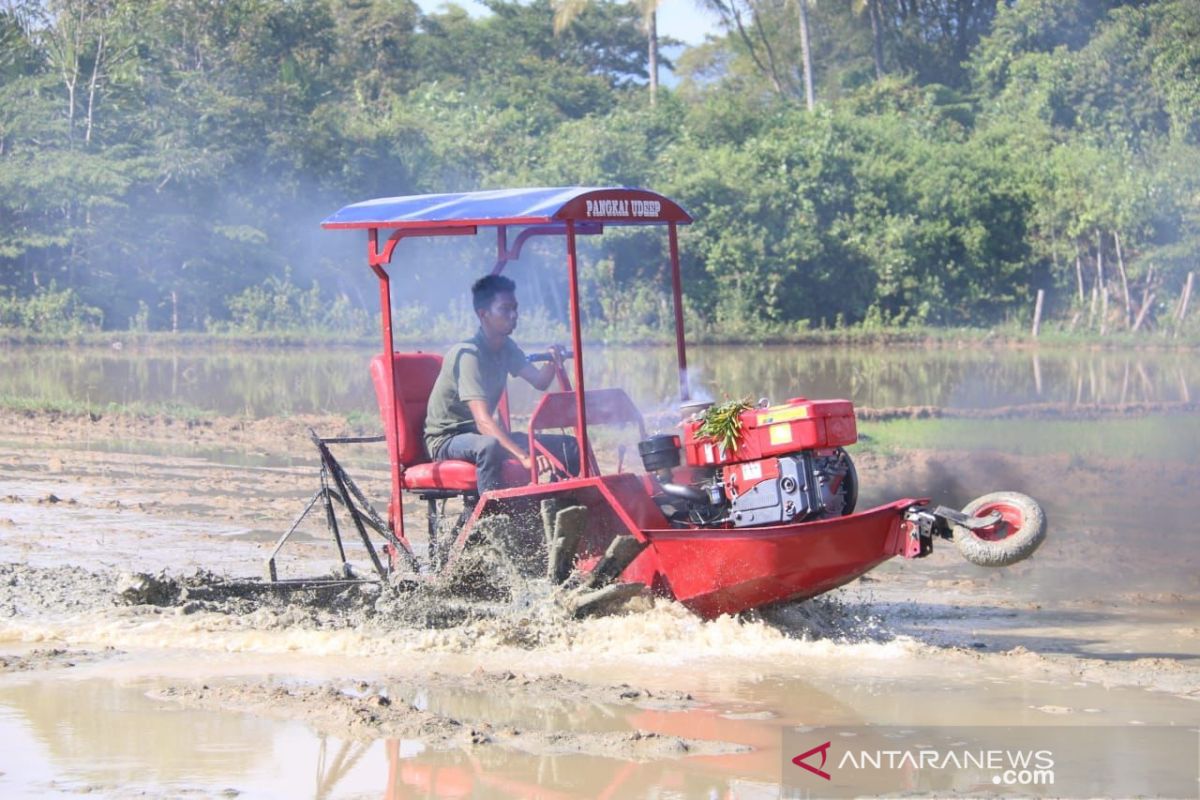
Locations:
{"points": [[330, 518], [354, 516], [376, 257], [369, 510], [271, 575], [501, 249], [395, 507], [959, 518], [577, 346], [353, 439], [346, 488], [370, 516], [433, 526], [677, 292], [333, 464], [507, 254]]}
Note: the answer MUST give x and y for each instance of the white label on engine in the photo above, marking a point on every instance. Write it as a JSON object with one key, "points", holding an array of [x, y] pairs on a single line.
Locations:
{"points": [[751, 471], [708, 454]]}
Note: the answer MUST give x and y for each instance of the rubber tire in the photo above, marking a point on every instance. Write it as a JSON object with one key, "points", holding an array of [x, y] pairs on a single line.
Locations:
{"points": [[1014, 547], [851, 500]]}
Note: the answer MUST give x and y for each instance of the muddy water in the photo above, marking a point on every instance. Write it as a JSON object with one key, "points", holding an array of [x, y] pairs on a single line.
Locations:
{"points": [[101, 730], [261, 383], [1101, 627]]}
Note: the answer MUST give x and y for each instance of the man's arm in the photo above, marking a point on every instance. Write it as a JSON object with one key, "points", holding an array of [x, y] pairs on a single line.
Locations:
{"points": [[487, 425], [541, 377]]}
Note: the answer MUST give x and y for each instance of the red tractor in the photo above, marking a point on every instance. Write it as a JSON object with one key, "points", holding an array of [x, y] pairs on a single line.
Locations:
{"points": [[764, 514]]}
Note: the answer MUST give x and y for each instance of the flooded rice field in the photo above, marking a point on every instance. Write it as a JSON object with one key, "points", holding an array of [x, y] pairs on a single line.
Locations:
{"points": [[270, 382], [118, 686]]}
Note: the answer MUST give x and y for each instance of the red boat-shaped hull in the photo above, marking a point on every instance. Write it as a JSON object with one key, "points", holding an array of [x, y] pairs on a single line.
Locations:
{"points": [[715, 571], [727, 571]]}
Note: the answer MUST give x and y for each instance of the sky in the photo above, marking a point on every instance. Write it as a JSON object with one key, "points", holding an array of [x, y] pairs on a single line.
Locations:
{"points": [[679, 19]]}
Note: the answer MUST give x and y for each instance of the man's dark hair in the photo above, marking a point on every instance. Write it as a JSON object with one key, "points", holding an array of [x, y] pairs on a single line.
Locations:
{"points": [[484, 291]]}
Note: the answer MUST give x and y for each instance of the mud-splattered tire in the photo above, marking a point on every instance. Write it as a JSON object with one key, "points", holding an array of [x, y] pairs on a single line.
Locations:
{"points": [[1015, 537], [850, 500]]}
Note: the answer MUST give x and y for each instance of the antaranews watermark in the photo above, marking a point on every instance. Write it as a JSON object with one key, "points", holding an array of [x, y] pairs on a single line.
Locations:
{"points": [[1030, 761]]}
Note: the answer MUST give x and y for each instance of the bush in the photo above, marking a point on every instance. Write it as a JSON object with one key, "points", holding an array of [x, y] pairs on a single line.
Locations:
{"points": [[50, 310], [279, 306]]}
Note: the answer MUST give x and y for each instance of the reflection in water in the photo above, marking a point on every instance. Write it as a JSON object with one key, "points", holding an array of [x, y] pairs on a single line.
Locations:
{"points": [[485, 773], [331, 769], [97, 735], [260, 383], [96, 730]]}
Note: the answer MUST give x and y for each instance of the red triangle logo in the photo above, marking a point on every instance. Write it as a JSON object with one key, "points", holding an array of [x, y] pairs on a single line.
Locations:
{"points": [[823, 749]]}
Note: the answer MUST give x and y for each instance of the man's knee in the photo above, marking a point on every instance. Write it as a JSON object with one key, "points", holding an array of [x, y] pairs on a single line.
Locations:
{"points": [[490, 450]]}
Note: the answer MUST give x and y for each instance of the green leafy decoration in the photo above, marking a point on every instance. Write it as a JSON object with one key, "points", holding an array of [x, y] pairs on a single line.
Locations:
{"points": [[724, 423]]}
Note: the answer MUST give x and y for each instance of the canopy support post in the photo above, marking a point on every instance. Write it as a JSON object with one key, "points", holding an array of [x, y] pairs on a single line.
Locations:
{"points": [[395, 507], [685, 393], [577, 346], [502, 255]]}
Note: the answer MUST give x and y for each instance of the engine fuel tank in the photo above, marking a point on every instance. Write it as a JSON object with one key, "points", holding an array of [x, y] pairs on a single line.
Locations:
{"points": [[797, 425]]}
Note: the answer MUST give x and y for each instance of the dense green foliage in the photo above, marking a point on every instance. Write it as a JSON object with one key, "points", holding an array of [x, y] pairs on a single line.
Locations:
{"points": [[164, 164]]}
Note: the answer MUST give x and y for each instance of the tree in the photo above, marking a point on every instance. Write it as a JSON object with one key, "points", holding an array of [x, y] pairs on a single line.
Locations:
{"points": [[567, 11], [806, 53], [871, 7]]}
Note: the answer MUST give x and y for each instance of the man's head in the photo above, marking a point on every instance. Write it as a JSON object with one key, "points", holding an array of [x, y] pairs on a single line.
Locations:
{"points": [[495, 302]]}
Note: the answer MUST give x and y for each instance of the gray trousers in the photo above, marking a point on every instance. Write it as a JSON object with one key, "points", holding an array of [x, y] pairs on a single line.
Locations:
{"points": [[487, 454]]}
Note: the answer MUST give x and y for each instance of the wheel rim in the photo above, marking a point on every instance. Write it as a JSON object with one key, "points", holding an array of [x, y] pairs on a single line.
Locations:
{"points": [[1011, 520]]}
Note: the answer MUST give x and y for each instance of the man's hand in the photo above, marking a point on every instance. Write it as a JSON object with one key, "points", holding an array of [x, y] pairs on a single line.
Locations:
{"points": [[543, 463], [541, 377]]}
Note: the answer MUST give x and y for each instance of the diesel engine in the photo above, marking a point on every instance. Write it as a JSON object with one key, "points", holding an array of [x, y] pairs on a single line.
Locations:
{"points": [[787, 466]]}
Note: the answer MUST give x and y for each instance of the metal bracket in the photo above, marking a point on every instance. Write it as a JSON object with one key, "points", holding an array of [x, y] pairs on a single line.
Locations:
{"points": [[959, 518], [920, 526], [337, 485]]}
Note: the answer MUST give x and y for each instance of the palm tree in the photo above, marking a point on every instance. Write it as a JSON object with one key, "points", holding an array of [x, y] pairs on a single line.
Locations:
{"points": [[567, 11], [806, 53]]}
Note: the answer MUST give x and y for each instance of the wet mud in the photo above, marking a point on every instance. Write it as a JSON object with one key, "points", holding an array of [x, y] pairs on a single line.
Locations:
{"points": [[123, 543], [49, 658], [366, 710]]}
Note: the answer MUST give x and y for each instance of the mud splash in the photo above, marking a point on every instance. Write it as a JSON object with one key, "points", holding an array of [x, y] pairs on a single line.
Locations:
{"points": [[201, 611]]}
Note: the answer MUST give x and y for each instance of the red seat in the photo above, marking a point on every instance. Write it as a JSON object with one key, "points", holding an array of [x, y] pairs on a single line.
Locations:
{"points": [[458, 475], [415, 374]]}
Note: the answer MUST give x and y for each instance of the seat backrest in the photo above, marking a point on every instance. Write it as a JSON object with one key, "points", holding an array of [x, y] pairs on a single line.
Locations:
{"points": [[415, 375]]}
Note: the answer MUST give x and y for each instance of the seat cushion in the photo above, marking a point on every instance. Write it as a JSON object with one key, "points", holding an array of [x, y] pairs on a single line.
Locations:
{"points": [[458, 476]]}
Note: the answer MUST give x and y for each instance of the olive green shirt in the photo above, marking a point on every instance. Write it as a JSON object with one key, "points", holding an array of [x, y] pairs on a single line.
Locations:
{"points": [[470, 371]]}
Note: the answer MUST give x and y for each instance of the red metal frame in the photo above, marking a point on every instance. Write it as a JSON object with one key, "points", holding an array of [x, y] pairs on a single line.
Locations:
{"points": [[577, 345], [564, 223], [685, 393], [712, 570], [505, 255], [395, 508], [559, 410]]}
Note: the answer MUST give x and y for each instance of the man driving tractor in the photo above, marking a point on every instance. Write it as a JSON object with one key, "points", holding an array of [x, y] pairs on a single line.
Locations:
{"points": [[460, 423]]}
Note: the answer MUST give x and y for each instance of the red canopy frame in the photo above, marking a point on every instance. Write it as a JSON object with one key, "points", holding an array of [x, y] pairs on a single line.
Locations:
{"points": [[568, 212]]}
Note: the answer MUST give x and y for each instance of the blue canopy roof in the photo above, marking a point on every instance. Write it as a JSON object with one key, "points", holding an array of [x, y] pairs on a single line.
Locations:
{"points": [[606, 205]]}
